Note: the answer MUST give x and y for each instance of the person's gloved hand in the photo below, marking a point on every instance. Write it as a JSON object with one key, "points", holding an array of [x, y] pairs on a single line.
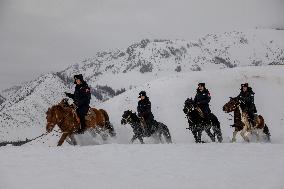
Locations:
{"points": [[67, 94]]}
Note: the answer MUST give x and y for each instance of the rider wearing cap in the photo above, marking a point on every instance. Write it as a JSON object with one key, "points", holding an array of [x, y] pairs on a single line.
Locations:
{"points": [[246, 98], [81, 98], [144, 111], [202, 99]]}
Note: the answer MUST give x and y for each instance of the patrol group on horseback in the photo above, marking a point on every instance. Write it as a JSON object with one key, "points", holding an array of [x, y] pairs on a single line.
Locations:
{"points": [[197, 110]]}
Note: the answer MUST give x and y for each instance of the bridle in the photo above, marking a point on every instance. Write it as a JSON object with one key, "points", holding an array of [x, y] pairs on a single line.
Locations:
{"points": [[189, 108], [126, 119], [235, 106]]}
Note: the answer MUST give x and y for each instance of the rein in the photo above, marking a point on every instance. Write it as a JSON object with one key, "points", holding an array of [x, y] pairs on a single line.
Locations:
{"points": [[126, 119], [46, 133]]}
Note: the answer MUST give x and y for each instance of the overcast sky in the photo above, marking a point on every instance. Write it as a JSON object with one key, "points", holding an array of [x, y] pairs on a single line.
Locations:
{"points": [[39, 36]]}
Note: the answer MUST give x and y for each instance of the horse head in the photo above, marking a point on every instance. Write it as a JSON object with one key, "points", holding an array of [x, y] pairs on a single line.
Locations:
{"points": [[189, 105], [51, 118], [231, 105], [64, 102], [127, 117]]}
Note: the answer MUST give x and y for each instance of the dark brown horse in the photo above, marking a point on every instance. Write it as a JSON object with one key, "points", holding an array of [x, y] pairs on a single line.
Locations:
{"points": [[65, 117], [241, 122]]}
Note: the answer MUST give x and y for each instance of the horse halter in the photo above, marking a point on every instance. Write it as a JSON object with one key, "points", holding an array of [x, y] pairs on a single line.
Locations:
{"points": [[236, 105], [51, 124], [189, 108], [126, 119]]}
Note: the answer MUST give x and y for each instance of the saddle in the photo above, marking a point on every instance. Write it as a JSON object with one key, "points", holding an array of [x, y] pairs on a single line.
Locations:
{"points": [[91, 114], [145, 127]]}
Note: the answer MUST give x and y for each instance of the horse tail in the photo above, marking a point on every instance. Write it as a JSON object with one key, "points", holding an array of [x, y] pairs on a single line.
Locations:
{"points": [[266, 132], [165, 131], [108, 124], [217, 128], [105, 115]]}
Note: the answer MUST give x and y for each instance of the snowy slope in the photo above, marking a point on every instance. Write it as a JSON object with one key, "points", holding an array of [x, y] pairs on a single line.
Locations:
{"points": [[10, 91]]}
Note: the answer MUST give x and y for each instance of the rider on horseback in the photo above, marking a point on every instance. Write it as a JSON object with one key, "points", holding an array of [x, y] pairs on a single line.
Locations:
{"points": [[202, 99], [144, 112], [246, 98], [81, 98]]}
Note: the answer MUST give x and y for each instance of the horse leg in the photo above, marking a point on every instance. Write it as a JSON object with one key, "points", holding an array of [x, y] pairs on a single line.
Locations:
{"points": [[266, 132], [110, 128], [217, 128], [165, 131], [243, 134], [133, 138], [167, 135], [194, 132], [217, 131], [212, 137], [158, 136], [62, 139], [73, 140], [199, 133], [256, 132], [140, 138], [234, 136]]}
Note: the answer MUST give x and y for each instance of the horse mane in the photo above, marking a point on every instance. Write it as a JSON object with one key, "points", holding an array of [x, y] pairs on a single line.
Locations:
{"points": [[134, 117]]}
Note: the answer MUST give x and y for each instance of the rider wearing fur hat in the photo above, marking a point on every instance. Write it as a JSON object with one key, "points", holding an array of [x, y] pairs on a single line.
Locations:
{"points": [[81, 98], [144, 111], [246, 98], [202, 99]]}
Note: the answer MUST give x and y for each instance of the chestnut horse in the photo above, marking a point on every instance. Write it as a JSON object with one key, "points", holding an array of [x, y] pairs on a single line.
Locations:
{"points": [[64, 116], [241, 122]]}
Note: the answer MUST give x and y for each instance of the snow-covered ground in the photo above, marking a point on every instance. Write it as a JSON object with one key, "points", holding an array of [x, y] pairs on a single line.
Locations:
{"points": [[182, 164], [120, 166]]}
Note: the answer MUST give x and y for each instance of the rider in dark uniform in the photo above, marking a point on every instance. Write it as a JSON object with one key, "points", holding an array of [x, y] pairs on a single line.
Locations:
{"points": [[246, 97], [202, 99], [81, 98], [144, 112]]}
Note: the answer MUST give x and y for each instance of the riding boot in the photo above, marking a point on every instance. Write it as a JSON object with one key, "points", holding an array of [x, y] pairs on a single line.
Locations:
{"points": [[83, 125]]}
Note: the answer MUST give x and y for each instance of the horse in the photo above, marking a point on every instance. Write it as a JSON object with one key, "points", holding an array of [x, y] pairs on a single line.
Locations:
{"points": [[158, 129], [198, 124], [241, 122], [64, 116]]}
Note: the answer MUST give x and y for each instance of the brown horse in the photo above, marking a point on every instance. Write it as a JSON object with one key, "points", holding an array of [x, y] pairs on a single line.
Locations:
{"points": [[241, 122], [65, 117]]}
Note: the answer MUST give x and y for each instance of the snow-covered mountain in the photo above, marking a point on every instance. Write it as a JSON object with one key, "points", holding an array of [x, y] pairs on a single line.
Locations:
{"points": [[10, 91], [151, 59], [110, 73]]}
